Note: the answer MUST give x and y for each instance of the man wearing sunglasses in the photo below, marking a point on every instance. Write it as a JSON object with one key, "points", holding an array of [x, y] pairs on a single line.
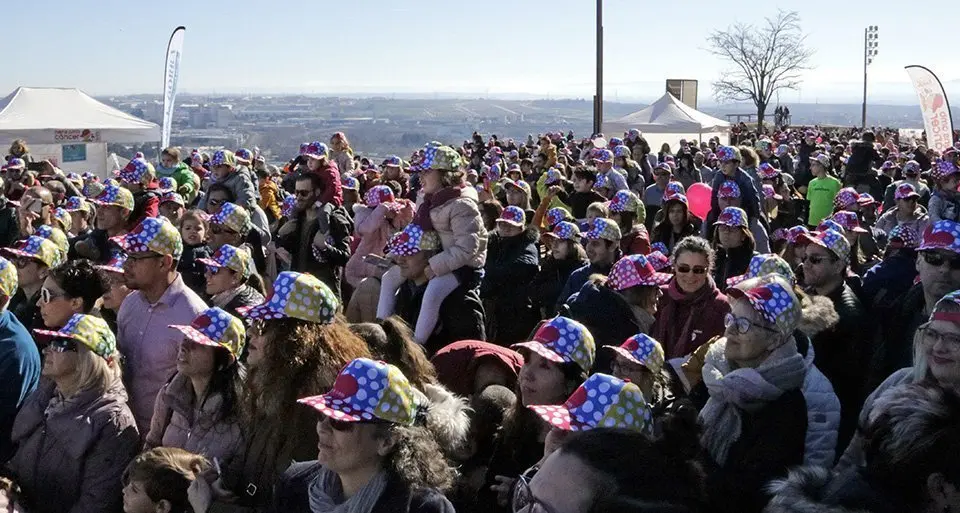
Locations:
{"points": [[19, 359], [36, 209], [938, 265]]}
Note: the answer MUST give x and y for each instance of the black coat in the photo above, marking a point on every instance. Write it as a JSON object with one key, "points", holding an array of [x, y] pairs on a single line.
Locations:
{"points": [[461, 314], [896, 339], [192, 270], [731, 263], [608, 317], [512, 263], [291, 495], [9, 224], [546, 285], [327, 264], [861, 161]]}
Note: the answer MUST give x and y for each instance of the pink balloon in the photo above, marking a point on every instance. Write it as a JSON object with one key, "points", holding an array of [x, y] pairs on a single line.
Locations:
{"points": [[698, 196]]}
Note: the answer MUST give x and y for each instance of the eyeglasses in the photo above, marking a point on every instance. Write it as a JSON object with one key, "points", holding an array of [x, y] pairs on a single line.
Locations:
{"points": [[524, 500], [216, 202], [63, 345], [697, 269], [300, 193], [46, 296], [938, 260], [217, 229], [337, 425], [815, 259], [743, 324], [931, 337], [142, 256]]}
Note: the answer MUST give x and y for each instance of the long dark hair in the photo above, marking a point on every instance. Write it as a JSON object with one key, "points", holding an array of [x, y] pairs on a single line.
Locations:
{"points": [[229, 376], [392, 341]]}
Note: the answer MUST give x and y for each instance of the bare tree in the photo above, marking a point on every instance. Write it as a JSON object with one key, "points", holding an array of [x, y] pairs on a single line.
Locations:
{"points": [[763, 60]]}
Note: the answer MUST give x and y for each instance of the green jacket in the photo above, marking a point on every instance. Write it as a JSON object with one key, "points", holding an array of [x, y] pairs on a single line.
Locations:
{"points": [[184, 178]]}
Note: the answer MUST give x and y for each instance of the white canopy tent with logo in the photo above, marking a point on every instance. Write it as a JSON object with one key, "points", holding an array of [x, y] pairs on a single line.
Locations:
{"points": [[70, 128], [668, 120]]}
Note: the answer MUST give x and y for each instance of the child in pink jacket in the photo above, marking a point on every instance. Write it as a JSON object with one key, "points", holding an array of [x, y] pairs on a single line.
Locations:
{"points": [[376, 221]]}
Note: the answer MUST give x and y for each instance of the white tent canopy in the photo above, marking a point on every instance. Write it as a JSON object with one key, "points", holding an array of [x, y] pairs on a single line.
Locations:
{"points": [[669, 120]]}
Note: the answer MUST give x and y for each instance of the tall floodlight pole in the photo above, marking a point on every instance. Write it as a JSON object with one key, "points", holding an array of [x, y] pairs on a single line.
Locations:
{"points": [[871, 40], [598, 95]]}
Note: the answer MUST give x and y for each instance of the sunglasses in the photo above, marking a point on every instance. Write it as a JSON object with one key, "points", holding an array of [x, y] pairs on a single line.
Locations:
{"points": [[302, 193], [216, 202], [46, 296], [938, 260], [697, 269], [217, 229], [814, 259], [213, 270], [63, 345]]}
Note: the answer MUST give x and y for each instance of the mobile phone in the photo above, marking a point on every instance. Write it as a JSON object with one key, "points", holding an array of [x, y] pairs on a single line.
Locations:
{"points": [[376, 260], [35, 166]]}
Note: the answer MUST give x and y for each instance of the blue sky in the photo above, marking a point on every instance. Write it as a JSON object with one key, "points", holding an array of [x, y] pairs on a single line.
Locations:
{"points": [[490, 47]]}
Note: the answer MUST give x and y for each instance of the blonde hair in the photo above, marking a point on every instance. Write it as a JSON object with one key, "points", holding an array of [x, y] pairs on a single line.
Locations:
{"points": [[599, 208], [95, 372], [19, 148], [172, 151], [921, 368]]}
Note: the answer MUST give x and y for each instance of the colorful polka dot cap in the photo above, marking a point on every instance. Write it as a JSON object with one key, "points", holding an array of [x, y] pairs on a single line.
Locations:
{"points": [[166, 184], [643, 350], [767, 172], [565, 230], [763, 144], [624, 201], [232, 217], [849, 221], [412, 240], [602, 155], [557, 214], [243, 154], [832, 241], [795, 234], [903, 236], [196, 159], [664, 167], [658, 260], [912, 167], [443, 158], [135, 171], [944, 169], [350, 183], [378, 194], [215, 327], [153, 234], [56, 236], [514, 168], [762, 265], [675, 196], [223, 158], [634, 271], [296, 296], [659, 246], [14, 163], [846, 198], [514, 216], [76, 204], [603, 228], [622, 151], [91, 190], [726, 153], [392, 161], [602, 401], [236, 259], [286, 208], [615, 142], [770, 193], [675, 188], [905, 191], [779, 234], [821, 159], [172, 197], [62, 216], [773, 298], [783, 149], [943, 234], [517, 185], [492, 173], [115, 264], [114, 195], [8, 278], [729, 189], [733, 216], [601, 182], [38, 249], [830, 224], [88, 330], [367, 390], [866, 200], [563, 340], [553, 176]]}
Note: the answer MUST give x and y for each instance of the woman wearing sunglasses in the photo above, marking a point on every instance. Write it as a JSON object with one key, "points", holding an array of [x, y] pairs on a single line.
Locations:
{"points": [[377, 450], [755, 416], [691, 309], [232, 225], [297, 346], [75, 435], [70, 288], [230, 282]]}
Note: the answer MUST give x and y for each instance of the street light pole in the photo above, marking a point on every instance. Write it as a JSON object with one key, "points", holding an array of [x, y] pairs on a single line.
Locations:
{"points": [[598, 95], [870, 41]]}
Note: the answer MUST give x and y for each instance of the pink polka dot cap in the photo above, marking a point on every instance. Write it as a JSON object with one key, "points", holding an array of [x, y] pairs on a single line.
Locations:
{"points": [[832, 241], [905, 191], [563, 340], [413, 240], [729, 189], [624, 201], [643, 350], [846, 198], [849, 221], [514, 216], [903, 236], [557, 214], [564, 230], [153, 234], [773, 298], [601, 401], [296, 296], [8, 278], [943, 234], [367, 390], [378, 194], [215, 327], [762, 265], [770, 193], [767, 172], [658, 260], [633, 271], [732, 216]]}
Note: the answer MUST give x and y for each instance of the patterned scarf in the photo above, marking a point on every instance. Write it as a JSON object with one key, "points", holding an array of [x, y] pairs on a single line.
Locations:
{"points": [[326, 494], [430, 201]]}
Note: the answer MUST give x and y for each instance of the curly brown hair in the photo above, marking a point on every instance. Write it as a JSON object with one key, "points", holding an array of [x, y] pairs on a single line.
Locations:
{"points": [[417, 458]]}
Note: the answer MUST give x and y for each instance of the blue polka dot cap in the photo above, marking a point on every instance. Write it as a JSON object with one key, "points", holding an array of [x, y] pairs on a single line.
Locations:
{"points": [[675, 188], [727, 153], [732, 216], [729, 189], [563, 340], [286, 208], [658, 260], [37, 249], [642, 349], [172, 197], [762, 265], [602, 401], [215, 327], [57, 237], [624, 201], [675, 196], [368, 390], [76, 204], [557, 214], [166, 184], [603, 228], [846, 198], [115, 264], [392, 161], [513, 216], [773, 298], [135, 171], [89, 330], [442, 158], [232, 217], [296, 296], [223, 158], [8, 278], [153, 234], [553, 176]]}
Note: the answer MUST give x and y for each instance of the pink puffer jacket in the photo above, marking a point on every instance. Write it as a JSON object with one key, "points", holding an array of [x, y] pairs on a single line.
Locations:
{"points": [[374, 230]]}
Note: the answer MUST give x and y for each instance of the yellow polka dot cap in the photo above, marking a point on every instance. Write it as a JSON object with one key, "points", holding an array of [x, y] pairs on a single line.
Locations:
{"points": [[57, 237], [8, 278], [232, 217], [297, 296], [89, 330], [114, 195], [367, 390], [236, 259], [563, 340], [215, 327], [62, 216], [37, 248], [601, 401], [642, 350], [154, 234]]}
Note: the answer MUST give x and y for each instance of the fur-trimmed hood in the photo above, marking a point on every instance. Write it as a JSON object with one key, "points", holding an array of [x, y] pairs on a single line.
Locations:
{"points": [[818, 490], [818, 315], [448, 417]]}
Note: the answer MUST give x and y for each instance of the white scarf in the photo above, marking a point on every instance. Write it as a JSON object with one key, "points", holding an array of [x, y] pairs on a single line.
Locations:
{"points": [[733, 391], [326, 494]]}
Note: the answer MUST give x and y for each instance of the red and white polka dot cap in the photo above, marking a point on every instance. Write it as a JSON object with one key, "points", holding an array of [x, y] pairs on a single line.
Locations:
{"points": [[729, 189], [658, 260], [377, 195], [849, 221], [368, 390], [564, 230], [903, 236], [413, 240], [633, 271], [643, 350], [943, 234], [601, 401], [773, 298], [557, 214], [563, 340], [846, 198], [732, 216], [514, 216]]}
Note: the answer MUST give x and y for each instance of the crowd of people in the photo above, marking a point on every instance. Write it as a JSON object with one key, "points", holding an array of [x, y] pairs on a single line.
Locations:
{"points": [[550, 325]]}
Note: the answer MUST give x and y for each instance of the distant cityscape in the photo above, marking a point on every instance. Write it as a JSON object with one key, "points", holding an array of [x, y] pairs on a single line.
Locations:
{"points": [[380, 126]]}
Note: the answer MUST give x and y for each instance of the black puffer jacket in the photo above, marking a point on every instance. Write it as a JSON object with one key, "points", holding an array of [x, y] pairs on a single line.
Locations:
{"points": [[896, 338], [9, 225], [327, 265], [607, 315], [512, 263], [731, 263], [546, 285], [818, 490], [861, 162]]}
